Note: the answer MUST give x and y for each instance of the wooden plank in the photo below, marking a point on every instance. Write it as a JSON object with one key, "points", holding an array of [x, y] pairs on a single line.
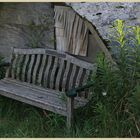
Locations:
{"points": [[33, 93], [38, 51], [79, 102], [60, 43], [71, 20], [55, 53], [41, 69], [24, 67], [35, 69], [32, 86], [19, 67], [29, 51], [71, 81], [59, 32], [8, 72], [45, 80], [80, 63], [79, 77], [34, 98], [29, 74], [65, 76], [52, 77], [57, 84], [14, 66], [79, 39], [70, 112], [84, 43]]}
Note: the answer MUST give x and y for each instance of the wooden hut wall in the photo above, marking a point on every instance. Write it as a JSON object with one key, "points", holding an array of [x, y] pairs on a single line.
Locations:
{"points": [[71, 32], [77, 36]]}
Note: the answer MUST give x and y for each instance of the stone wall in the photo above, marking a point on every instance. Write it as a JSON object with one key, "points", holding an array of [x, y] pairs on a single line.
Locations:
{"points": [[102, 14], [15, 21]]}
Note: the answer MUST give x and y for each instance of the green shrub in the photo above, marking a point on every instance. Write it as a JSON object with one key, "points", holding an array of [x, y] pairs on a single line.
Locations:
{"points": [[116, 95]]}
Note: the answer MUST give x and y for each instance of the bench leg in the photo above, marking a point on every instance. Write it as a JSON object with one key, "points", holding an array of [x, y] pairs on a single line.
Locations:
{"points": [[70, 112]]}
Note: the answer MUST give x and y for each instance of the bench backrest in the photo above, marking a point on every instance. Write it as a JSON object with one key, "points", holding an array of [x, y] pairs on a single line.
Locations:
{"points": [[49, 69]]}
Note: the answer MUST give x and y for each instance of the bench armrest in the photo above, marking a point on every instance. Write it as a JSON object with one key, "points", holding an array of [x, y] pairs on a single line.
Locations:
{"points": [[5, 64], [73, 92]]}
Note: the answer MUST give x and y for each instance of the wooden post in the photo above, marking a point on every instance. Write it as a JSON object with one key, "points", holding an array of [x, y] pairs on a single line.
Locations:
{"points": [[70, 112]]}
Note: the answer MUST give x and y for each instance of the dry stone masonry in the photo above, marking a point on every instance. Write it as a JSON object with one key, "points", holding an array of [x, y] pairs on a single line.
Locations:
{"points": [[102, 14], [15, 19]]}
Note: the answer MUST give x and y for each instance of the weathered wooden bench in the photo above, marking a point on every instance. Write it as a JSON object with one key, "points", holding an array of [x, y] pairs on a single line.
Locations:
{"points": [[48, 80]]}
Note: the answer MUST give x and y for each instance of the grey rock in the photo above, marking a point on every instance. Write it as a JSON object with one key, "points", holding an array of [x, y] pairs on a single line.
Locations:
{"points": [[103, 14], [15, 20]]}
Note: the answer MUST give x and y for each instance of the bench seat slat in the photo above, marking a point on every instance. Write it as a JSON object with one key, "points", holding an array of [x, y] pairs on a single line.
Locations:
{"points": [[49, 99], [48, 102]]}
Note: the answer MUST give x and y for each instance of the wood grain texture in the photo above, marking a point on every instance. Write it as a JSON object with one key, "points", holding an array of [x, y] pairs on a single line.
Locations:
{"points": [[45, 80], [29, 51], [58, 78], [70, 112], [52, 77], [13, 71], [34, 97], [29, 74], [73, 40], [65, 76], [19, 67], [24, 67], [35, 74], [71, 80], [40, 75]]}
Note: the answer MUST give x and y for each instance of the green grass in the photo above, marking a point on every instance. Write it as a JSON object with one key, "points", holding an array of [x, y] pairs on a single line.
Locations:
{"points": [[22, 120]]}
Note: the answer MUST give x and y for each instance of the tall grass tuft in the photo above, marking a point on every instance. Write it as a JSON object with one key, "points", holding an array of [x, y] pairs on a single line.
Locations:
{"points": [[116, 95]]}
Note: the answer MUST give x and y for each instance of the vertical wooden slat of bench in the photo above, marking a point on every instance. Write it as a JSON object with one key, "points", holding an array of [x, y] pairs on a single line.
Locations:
{"points": [[65, 75], [47, 71], [7, 72], [79, 77], [19, 67], [14, 66], [52, 77], [24, 67], [72, 76], [41, 69], [59, 74], [29, 74], [36, 68]]}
